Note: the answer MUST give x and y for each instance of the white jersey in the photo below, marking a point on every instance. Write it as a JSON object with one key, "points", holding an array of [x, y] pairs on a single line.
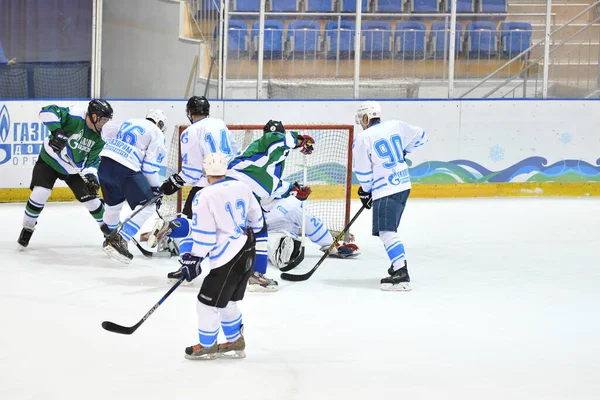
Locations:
{"points": [[378, 159], [220, 214], [285, 215], [208, 135], [138, 144]]}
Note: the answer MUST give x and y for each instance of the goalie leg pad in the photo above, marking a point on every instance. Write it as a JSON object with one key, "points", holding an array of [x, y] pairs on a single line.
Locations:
{"points": [[281, 248]]}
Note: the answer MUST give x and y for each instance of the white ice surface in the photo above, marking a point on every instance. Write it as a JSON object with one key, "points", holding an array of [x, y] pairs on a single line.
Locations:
{"points": [[505, 305]]}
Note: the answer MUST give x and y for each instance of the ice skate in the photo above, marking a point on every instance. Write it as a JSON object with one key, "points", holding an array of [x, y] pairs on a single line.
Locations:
{"points": [[260, 283], [106, 231], [174, 276], [160, 230], [398, 281], [24, 238], [116, 247], [197, 352], [233, 349], [345, 250]]}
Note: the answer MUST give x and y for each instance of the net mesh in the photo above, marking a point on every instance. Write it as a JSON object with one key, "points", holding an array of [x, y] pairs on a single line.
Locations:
{"points": [[328, 169]]}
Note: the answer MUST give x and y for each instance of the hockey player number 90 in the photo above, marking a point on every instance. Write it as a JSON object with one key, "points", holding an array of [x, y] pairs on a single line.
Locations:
{"points": [[384, 150]]}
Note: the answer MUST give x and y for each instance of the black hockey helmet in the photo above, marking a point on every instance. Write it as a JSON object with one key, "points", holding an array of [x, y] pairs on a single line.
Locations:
{"points": [[103, 112], [274, 126], [197, 105]]}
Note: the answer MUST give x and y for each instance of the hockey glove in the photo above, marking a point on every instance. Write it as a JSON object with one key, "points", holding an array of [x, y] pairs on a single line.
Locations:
{"points": [[301, 192], [305, 143], [59, 140], [190, 267], [365, 197], [156, 191], [172, 184], [91, 184]]}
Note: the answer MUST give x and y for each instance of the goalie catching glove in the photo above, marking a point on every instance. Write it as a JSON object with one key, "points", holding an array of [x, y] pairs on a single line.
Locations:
{"points": [[305, 143], [172, 184], [344, 250], [300, 191], [190, 267]]}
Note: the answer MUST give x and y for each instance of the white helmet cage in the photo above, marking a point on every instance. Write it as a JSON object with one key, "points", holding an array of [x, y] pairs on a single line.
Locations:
{"points": [[159, 118], [215, 164], [370, 108]]}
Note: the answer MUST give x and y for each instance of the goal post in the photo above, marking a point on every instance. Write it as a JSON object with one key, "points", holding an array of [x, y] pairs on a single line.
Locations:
{"points": [[329, 168]]}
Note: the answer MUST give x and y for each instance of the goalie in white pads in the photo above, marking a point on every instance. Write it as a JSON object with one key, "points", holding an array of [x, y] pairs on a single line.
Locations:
{"points": [[131, 159], [225, 216], [284, 223], [378, 162]]}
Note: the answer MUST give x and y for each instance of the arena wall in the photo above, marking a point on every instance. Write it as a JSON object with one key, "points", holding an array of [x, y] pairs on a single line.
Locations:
{"points": [[476, 148]]}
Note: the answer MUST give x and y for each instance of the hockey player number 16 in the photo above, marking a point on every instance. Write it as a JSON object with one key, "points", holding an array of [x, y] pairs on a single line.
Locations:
{"points": [[224, 143], [384, 150]]}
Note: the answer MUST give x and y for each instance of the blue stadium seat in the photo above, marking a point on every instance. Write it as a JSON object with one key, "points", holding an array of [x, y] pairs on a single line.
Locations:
{"points": [[347, 30], [462, 6], [437, 37], [319, 5], [391, 6], [246, 5], [236, 39], [304, 38], [424, 6], [515, 37], [284, 5], [409, 40], [481, 39], [273, 49], [350, 5], [492, 6], [377, 40]]}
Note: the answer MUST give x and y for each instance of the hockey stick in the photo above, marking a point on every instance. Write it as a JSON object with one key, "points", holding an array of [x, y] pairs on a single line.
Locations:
{"points": [[295, 262], [128, 330], [151, 254], [303, 277]]}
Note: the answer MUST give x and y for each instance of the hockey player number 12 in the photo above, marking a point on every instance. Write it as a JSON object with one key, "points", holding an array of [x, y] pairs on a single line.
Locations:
{"points": [[384, 150], [224, 143]]}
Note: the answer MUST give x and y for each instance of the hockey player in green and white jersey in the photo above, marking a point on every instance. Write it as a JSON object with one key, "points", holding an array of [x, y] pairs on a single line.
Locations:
{"points": [[70, 153]]}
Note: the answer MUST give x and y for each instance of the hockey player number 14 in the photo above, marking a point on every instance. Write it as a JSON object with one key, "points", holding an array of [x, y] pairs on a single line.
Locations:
{"points": [[384, 150], [224, 143]]}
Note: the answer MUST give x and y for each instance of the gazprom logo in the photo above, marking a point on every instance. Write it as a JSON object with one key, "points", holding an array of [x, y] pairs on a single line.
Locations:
{"points": [[4, 123]]}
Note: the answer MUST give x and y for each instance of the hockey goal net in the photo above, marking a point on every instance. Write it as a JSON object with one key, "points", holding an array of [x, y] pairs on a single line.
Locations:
{"points": [[329, 169]]}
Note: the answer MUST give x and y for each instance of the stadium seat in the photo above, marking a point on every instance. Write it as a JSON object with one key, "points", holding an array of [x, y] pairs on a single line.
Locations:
{"points": [[319, 5], [481, 39], [246, 5], [492, 6], [273, 49], [350, 5], [304, 38], [236, 39], [346, 32], [284, 5], [462, 6], [409, 40], [377, 40], [424, 6], [515, 37], [391, 6], [437, 39]]}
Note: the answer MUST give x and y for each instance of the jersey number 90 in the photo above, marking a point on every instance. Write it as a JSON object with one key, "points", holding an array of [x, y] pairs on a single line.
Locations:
{"points": [[390, 150]]}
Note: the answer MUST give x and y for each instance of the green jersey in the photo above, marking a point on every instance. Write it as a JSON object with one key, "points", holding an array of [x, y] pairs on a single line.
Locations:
{"points": [[83, 147], [261, 165]]}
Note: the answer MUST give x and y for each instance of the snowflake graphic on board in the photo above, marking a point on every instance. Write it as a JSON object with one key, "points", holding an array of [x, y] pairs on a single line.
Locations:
{"points": [[566, 137], [496, 153]]}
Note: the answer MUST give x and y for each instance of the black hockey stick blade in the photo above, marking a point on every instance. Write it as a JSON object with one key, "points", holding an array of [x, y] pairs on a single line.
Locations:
{"points": [[128, 330], [151, 254], [299, 278], [294, 263]]}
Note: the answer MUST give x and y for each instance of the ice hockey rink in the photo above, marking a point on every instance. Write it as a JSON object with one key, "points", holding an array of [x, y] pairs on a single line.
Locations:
{"points": [[505, 305]]}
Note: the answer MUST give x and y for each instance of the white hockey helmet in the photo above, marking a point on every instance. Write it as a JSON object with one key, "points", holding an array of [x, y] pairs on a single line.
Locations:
{"points": [[215, 164], [370, 108], [159, 118]]}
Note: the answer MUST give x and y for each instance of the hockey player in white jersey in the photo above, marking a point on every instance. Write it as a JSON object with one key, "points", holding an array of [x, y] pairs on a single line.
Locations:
{"points": [[205, 135], [129, 167], [225, 216], [284, 222], [378, 162]]}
